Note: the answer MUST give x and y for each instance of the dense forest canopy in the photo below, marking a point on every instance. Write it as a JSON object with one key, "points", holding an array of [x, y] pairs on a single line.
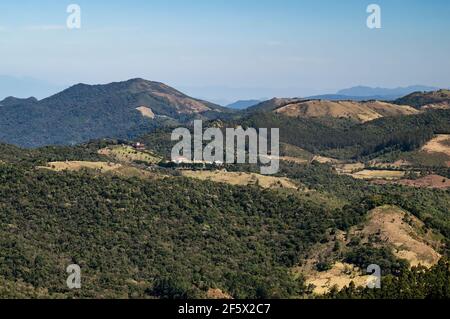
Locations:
{"points": [[175, 237], [151, 232]]}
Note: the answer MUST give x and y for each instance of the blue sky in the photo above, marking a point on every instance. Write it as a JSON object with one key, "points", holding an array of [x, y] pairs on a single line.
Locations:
{"points": [[229, 48]]}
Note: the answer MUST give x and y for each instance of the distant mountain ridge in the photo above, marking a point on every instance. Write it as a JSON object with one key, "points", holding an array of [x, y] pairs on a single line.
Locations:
{"points": [[365, 91], [84, 112], [12, 101], [243, 104], [339, 97]]}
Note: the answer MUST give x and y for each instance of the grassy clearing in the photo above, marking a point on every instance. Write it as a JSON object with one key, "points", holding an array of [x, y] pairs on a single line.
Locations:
{"points": [[128, 154], [368, 174], [79, 165], [339, 276], [242, 179], [349, 168], [102, 167], [386, 226]]}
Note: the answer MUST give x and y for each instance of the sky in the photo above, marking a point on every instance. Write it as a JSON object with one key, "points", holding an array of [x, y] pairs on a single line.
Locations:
{"points": [[229, 49]]}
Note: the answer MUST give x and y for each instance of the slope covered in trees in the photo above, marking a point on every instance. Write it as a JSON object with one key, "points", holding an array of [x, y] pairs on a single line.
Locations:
{"points": [[418, 100], [417, 283], [175, 237], [85, 112], [130, 237], [344, 139]]}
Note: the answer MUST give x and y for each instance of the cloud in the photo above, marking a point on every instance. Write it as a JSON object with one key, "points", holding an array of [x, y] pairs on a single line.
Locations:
{"points": [[45, 27]]}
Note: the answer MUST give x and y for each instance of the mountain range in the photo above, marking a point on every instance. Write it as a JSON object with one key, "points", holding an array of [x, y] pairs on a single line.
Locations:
{"points": [[359, 183], [243, 104], [83, 112], [394, 93], [365, 93], [357, 93], [126, 110]]}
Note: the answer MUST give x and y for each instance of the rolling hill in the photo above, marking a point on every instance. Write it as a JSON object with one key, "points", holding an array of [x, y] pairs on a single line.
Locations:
{"points": [[271, 105], [358, 111], [84, 112], [159, 234], [427, 100], [344, 138]]}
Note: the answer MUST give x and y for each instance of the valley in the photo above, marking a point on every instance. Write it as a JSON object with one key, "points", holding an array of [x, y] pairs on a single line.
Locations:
{"points": [[352, 190], [213, 158]]}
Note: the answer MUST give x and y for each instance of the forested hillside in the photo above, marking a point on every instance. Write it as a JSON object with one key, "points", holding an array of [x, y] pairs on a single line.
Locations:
{"points": [[174, 237], [85, 112], [141, 226], [435, 99], [344, 139], [130, 237]]}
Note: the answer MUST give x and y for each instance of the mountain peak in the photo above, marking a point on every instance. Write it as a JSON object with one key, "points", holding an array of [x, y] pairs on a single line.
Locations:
{"points": [[11, 100], [83, 112]]}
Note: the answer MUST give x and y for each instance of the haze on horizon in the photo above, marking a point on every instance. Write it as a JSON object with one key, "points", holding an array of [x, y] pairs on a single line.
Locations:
{"points": [[234, 49]]}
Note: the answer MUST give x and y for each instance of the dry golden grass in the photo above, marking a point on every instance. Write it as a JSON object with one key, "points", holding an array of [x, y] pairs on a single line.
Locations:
{"points": [[368, 174], [79, 165], [290, 159], [102, 167], [296, 160], [399, 164], [217, 294], [349, 168], [407, 238], [340, 276], [325, 160], [395, 228], [437, 106], [242, 179], [439, 144], [146, 112], [358, 111]]}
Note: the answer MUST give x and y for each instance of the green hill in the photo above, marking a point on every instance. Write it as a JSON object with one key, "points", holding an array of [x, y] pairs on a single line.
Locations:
{"points": [[346, 139], [84, 112], [175, 237]]}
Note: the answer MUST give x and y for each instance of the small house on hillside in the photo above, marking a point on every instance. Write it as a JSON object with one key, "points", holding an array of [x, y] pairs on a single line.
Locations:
{"points": [[139, 146]]}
